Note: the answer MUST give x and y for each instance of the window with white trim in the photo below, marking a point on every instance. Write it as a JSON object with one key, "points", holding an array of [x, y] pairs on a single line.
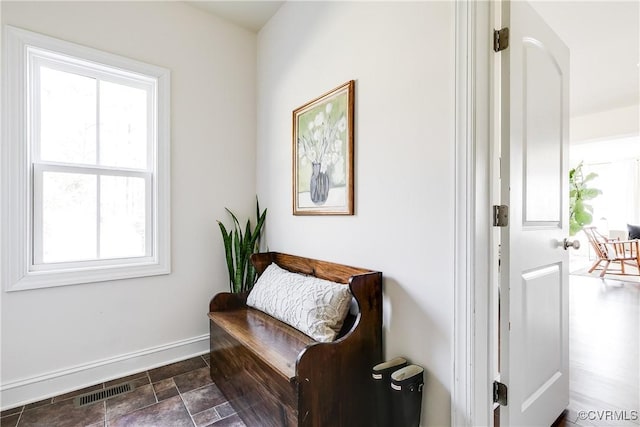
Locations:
{"points": [[85, 164]]}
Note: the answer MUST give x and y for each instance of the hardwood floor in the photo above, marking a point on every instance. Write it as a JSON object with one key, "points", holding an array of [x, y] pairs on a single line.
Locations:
{"points": [[604, 353]]}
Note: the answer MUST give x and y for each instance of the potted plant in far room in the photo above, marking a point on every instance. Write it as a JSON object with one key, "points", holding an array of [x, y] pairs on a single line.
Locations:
{"points": [[238, 248], [580, 213]]}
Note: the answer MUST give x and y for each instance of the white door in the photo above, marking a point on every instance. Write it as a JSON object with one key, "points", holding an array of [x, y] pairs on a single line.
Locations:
{"points": [[534, 362]]}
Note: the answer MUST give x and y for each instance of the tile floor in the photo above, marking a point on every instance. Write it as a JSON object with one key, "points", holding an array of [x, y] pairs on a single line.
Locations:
{"points": [[180, 394]]}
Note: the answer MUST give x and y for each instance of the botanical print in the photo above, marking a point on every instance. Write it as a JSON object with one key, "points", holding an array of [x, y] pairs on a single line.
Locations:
{"points": [[323, 147]]}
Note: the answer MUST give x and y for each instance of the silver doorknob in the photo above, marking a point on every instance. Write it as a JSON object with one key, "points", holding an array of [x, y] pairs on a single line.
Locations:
{"points": [[566, 244]]}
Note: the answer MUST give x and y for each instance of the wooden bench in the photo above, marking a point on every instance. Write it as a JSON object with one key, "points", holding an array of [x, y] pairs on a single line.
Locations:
{"points": [[274, 375]]}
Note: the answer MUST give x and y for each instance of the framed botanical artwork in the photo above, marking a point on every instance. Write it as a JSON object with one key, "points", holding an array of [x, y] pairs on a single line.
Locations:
{"points": [[323, 154]]}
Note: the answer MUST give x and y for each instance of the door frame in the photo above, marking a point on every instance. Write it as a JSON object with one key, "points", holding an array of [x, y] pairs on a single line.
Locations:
{"points": [[474, 341]]}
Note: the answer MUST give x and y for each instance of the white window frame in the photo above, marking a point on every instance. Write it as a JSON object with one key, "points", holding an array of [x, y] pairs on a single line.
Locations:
{"points": [[22, 170]]}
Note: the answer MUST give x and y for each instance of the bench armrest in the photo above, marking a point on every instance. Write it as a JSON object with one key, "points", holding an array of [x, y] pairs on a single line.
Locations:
{"points": [[351, 358], [226, 301]]}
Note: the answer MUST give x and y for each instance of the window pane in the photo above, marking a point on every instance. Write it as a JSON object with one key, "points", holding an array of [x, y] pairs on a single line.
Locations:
{"points": [[123, 126], [67, 117], [69, 226], [122, 217]]}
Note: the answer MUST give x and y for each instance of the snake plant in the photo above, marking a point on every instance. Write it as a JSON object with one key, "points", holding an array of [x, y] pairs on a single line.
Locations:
{"points": [[239, 247]]}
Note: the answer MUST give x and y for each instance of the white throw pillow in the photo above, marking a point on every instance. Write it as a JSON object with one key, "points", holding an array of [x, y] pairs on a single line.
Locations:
{"points": [[313, 306]]}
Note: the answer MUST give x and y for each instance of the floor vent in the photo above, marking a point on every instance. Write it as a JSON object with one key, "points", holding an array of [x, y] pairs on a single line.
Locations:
{"points": [[104, 394]]}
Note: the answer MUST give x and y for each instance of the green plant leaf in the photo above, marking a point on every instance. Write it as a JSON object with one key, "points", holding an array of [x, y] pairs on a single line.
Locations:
{"points": [[574, 228], [245, 254], [226, 239], [583, 218], [251, 277], [590, 193], [589, 177], [237, 280], [257, 208], [239, 247], [578, 206], [236, 224], [258, 230]]}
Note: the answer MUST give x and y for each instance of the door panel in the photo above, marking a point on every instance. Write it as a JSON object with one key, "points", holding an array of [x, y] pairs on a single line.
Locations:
{"points": [[534, 277], [542, 98], [541, 330]]}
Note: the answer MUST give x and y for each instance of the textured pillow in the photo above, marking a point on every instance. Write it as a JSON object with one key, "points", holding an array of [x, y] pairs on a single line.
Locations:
{"points": [[315, 307], [634, 231]]}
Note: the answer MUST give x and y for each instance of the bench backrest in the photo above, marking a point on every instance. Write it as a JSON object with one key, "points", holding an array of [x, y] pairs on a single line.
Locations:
{"points": [[322, 269]]}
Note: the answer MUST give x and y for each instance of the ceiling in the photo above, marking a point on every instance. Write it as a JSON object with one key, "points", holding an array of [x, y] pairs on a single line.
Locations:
{"points": [[604, 42], [603, 38], [251, 15]]}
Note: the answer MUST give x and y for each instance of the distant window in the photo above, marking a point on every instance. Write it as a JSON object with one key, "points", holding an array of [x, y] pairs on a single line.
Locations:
{"points": [[87, 178]]}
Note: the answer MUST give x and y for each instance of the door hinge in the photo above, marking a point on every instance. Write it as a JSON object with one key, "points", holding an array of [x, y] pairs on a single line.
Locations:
{"points": [[499, 393], [500, 39], [500, 215]]}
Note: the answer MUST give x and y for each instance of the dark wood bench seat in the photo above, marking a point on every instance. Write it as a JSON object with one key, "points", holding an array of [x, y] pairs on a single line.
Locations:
{"points": [[275, 343], [274, 375]]}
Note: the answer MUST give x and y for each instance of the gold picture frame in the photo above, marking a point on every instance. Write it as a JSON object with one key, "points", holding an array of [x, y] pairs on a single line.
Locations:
{"points": [[323, 154]]}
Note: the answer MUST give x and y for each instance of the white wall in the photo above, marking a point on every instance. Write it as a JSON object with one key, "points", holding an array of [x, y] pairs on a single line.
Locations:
{"points": [[608, 124], [63, 338], [402, 58]]}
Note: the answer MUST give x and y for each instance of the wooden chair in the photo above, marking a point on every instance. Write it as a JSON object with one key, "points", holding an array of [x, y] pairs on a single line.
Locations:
{"points": [[625, 252]]}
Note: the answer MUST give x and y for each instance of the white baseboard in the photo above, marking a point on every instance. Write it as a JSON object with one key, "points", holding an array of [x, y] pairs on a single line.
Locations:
{"points": [[33, 389]]}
